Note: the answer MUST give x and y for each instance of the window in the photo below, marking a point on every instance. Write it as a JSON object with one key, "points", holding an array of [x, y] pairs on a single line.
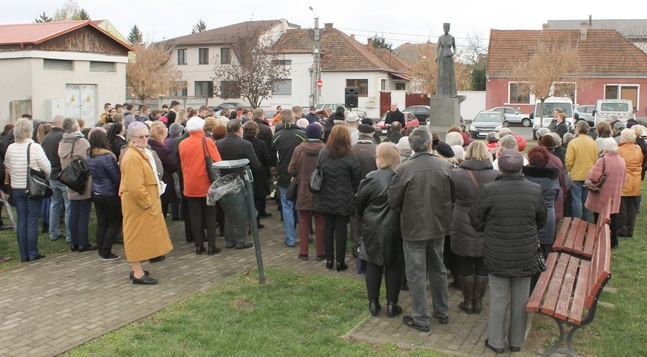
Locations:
{"points": [[283, 62], [204, 89], [400, 86], [564, 89], [383, 84], [361, 84], [58, 65], [203, 56], [102, 66], [619, 91], [283, 88], [181, 56], [182, 92], [229, 89], [516, 95], [225, 55]]}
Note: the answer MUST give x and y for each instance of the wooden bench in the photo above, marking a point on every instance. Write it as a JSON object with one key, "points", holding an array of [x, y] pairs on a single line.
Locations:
{"points": [[570, 285], [577, 237]]}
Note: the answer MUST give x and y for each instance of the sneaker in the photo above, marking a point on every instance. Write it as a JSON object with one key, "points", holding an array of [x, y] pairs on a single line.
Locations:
{"points": [[109, 257]]}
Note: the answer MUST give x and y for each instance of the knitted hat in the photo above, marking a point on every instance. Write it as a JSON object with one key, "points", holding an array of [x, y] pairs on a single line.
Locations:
{"points": [[302, 123], [444, 150], [313, 131], [352, 117], [194, 124], [548, 141], [366, 129], [510, 161]]}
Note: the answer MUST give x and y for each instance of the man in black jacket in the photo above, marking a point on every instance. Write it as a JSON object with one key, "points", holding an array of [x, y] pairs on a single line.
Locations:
{"points": [[50, 146], [394, 115], [283, 144], [233, 147], [509, 211], [172, 114], [422, 192], [265, 135], [365, 151]]}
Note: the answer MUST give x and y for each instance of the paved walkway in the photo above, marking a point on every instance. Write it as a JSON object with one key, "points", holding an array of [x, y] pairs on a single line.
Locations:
{"points": [[51, 306]]}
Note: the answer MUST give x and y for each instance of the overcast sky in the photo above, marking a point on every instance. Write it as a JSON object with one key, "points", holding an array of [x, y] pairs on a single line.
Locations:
{"points": [[398, 21]]}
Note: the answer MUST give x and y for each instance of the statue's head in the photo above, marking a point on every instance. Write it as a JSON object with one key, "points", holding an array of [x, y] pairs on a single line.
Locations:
{"points": [[446, 27]]}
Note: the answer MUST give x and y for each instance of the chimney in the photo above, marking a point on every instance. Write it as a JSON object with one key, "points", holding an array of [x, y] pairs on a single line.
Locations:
{"points": [[583, 29], [352, 36], [328, 26], [544, 26], [369, 45], [284, 25]]}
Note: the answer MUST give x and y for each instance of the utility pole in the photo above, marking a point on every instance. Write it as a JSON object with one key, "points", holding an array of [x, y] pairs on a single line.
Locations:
{"points": [[316, 91]]}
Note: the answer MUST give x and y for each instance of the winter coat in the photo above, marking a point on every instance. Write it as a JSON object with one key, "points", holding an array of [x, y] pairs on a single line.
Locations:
{"points": [[633, 156], [117, 143], [50, 145], [509, 211], [145, 232], [233, 147], [561, 129], [265, 135], [15, 161], [614, 167], [422, 192], [397, 115], [170, 167], [365, 150], [80, 150], [553, 161], [105, 172], [341, 179], [581, 155], [262, 174], [643, 147], [465, 240], [283, 144], [380, 224], [194, 167], [170, 142], [548, 179], [304, 160]]}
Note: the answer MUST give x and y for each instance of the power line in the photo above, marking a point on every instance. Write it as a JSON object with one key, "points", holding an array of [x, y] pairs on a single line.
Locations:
{"points": [[399, 33]]}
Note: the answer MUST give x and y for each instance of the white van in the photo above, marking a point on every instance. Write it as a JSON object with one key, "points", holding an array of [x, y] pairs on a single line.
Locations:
{"points": [[621, 108], [563, 103]]}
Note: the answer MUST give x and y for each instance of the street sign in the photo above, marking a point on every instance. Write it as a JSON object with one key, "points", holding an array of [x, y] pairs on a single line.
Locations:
{"points": [[319, 83]]}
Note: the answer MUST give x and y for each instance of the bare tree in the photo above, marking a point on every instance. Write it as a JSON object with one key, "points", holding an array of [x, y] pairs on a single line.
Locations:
{"points": [[69, 11], [550, 64], [151, 74], [252, 71], [199, 27], [473, 55], [425, 71]]}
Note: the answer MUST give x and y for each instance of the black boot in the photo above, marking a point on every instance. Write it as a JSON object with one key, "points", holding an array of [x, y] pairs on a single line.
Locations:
{"points": [[480, 284], [467, 285], [374, 307], [392, 309]]}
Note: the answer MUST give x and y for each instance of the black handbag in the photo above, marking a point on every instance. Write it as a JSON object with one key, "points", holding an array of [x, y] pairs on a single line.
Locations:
{"points": [[291, 193], [76, 174], [541, 260], [38, 186], [595, 186], [317, 176], [211, 171]]}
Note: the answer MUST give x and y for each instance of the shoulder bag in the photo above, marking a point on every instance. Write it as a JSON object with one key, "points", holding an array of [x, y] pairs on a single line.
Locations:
{"points": [[38, 186], [212, 172], [291, 193], [317, 176], [76, 174], [595, 186]]}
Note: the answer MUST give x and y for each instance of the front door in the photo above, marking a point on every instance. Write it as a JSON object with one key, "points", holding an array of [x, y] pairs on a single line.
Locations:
{"points": [[385, 102], [81, 102]]}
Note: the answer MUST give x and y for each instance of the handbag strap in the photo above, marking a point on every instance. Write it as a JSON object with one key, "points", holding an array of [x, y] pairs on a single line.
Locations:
{"points": [[28, 154], [319, 158], [476, 183], [205, 148]]}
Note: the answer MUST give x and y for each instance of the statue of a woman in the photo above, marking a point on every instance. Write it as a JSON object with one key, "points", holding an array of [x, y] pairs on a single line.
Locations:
{"points": [[446, 84]]}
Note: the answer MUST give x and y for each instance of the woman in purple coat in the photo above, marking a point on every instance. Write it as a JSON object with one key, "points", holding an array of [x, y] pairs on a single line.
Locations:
{"points": [[156, 143]]}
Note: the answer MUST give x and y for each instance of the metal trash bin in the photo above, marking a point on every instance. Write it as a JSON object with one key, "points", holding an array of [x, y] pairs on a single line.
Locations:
{"points": [[233, 199]]}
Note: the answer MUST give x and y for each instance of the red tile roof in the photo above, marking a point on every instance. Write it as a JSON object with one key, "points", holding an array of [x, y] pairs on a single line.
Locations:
{"points": [[602, 53]]}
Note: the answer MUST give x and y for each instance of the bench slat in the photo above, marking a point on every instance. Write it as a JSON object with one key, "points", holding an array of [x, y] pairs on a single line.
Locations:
{"points": [[605, 216], [542, 284], [581, 290], [578, 246], [564, 302], [555, 285], [601, 268], [570, 240], [561, 236], [589, 243]]}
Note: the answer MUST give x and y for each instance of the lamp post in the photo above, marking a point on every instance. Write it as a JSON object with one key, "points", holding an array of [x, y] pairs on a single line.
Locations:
{"points": [[316, 91]]}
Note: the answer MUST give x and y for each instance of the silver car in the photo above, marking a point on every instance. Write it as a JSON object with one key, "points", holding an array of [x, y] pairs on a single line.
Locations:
{"points": [[485, 122], [585, 112], [514, 116]]}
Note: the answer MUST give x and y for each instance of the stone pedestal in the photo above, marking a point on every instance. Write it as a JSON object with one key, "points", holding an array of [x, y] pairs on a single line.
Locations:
{"points": [[445, 112]]}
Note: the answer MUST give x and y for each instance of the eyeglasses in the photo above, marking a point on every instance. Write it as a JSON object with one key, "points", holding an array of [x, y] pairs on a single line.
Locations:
{"points": [[142, 137]]}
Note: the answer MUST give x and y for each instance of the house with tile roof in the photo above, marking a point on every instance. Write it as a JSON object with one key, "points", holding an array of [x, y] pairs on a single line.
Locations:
{"points": [[345, 62], [70, 68], [612, 67], [634, 30], [195, 54]]}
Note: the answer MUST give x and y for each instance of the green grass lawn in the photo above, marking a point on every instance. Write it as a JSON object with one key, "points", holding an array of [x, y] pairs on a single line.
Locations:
{"points": [[291, 315]]}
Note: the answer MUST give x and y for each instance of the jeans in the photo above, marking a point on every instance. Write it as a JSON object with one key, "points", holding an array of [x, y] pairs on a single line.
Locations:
{"points": [[79, 221], [28, 212], [108, 211], [518, 290], [578, 198], [44, 210], [424, 258], [287, 208], [58, 199]]}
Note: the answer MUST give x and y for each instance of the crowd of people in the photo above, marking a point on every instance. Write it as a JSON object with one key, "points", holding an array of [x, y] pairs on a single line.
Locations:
{"points": [[417, 205]]}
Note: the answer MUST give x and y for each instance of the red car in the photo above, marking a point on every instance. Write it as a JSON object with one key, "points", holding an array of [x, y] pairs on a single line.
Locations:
{"points": [[409, 118]]}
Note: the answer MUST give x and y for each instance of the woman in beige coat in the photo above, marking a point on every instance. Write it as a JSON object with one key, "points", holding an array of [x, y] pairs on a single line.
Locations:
{"points": [[145, 233]]}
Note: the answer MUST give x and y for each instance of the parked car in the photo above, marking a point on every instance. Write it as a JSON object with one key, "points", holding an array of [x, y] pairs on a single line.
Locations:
{"points": [[421, 112], [329, 106], [229, 105], [586, 112], [485, 122], [513, 116], [409, 118], [542, 119]]}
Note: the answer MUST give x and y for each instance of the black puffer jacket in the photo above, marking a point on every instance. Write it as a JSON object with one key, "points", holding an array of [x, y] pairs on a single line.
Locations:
{"points": [[465, 240], [509, 211], [380, 224], [341, 178]]}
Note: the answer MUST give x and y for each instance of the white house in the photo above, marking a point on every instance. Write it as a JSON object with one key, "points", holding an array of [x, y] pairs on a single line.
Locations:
{"points": [[70, 68]]}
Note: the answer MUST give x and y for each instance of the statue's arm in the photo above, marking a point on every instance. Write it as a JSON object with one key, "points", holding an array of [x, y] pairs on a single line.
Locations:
{"points": [[438, 49]]}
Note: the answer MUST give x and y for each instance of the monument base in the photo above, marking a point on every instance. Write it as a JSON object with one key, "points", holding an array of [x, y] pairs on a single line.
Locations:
{"points": [[445, 112]]}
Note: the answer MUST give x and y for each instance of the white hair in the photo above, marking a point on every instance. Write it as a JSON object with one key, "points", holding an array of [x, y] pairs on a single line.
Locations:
{"points": [[609, 145], [627, 136], [454, 138], [459, 152]]}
